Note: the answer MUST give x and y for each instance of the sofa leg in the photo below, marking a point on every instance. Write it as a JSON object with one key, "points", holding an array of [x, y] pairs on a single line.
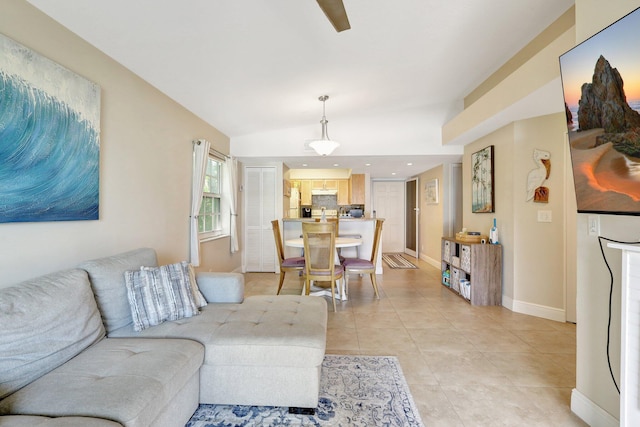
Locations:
{"points": [[302, 411]]}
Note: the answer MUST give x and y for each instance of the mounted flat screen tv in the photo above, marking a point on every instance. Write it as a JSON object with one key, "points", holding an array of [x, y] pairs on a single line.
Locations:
{"points": [[601, 86]]}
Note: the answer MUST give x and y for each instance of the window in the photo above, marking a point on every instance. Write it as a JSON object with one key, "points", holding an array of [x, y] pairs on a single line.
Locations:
{"points": [[210, 219]]}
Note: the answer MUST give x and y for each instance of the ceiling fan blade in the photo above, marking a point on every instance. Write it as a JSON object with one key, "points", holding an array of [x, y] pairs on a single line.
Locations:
{"points": [[335, 12]]}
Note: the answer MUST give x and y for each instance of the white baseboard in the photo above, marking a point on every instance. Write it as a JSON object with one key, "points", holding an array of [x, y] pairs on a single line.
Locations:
{"points": [[434, 262], [591, 413], [551, 313]]}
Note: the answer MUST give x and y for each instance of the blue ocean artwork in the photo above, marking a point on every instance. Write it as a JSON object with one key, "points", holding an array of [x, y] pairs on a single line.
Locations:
{"points": [[49, 140]]}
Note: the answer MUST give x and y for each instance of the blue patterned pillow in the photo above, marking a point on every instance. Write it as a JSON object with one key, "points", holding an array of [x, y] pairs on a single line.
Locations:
{"points": [[157, 294]]}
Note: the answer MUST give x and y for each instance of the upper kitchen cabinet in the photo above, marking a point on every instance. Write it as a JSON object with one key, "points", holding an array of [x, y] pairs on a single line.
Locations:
{"points": [[324, 184], [343, 192], [357, 189], [305, 192]]}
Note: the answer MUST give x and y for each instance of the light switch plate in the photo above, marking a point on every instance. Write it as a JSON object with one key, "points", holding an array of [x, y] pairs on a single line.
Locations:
{"points": [[544, 216]]}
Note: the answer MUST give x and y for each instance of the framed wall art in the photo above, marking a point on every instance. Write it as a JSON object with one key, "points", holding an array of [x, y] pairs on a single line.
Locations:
{"points": [[482, 181], [49, 139], [431, 192]]}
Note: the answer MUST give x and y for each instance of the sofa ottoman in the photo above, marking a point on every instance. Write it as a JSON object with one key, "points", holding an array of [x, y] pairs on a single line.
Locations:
{"points": [[262, 350]]}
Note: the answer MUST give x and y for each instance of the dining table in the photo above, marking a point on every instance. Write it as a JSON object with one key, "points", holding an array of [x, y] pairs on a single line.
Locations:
{"points": [[340, 242]]}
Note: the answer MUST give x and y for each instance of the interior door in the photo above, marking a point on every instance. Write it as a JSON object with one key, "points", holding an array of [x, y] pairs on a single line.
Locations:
{"points": [[412, 217], [260, 195], [388, 202]]}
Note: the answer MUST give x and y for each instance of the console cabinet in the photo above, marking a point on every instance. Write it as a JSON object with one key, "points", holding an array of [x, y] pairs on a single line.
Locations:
{"points": [[473, 271]]}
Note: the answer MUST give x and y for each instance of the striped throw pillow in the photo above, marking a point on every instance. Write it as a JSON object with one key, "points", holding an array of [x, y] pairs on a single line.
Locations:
{"points": [[157, 294]]}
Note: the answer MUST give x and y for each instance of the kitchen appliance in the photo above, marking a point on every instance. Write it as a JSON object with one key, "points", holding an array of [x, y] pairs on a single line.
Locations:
{"points": [[306, 212], [294, 203]]}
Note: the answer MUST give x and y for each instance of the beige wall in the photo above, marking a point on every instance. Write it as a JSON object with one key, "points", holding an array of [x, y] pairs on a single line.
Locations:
{"points": [[539, 258], [431, 218], [145, 165], [533, 252]]}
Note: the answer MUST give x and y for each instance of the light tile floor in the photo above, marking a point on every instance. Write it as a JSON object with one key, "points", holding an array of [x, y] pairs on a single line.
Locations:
{"points": [[465, 365]]}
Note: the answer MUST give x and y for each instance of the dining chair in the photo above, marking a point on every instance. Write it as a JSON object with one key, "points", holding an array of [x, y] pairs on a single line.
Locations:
{"points": [[359, 265], [319, 253], [286, 264], [336, 221]]}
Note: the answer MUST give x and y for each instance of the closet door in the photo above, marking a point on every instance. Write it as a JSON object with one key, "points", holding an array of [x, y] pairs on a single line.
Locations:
{"points": [[260, 204]]}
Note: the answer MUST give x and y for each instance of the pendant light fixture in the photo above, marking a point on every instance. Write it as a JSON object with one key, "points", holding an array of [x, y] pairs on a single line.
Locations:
{"points": [[324, 146]]}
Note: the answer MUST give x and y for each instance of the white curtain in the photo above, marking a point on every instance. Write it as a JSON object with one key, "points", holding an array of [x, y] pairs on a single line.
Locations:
{"points": [[200, 158], [232, 180]]}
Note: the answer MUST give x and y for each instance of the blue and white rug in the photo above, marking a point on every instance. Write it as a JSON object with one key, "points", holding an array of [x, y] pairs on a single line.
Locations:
{"points": [[354, 391]]}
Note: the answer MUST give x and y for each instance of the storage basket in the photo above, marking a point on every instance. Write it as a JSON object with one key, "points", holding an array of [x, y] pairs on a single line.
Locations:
{"points": [[465, 258], [465, 288], [455, 279], [447, 251]]}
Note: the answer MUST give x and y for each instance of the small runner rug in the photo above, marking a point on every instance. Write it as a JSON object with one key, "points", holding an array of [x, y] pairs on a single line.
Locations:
{"points": [[361, 391], [397, 261]]}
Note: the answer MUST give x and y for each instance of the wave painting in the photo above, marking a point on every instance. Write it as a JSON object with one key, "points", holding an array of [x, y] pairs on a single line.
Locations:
{"points": [[49, 139]]}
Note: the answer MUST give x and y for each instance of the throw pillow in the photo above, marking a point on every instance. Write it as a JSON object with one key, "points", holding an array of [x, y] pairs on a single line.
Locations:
{"points": [[195, 290], [157, 294]]}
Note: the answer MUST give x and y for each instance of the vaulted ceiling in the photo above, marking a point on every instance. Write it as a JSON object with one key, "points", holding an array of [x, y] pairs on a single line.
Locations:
{"points": [[254, 69]]}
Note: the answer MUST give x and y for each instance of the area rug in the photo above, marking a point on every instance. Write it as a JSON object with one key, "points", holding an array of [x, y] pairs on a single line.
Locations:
{"points": [[397, 261], [354, 391]]}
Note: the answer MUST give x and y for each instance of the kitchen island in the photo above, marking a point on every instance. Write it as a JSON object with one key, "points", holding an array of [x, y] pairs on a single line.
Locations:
{"points": [[349, 226]]}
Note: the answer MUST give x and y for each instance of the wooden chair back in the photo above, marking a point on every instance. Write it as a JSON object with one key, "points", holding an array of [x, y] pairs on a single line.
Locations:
{"points": [[275, 225], [376, 240], [319, 249]]}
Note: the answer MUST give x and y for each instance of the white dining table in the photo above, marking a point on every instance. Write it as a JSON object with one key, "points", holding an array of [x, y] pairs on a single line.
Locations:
{"points": [[341, 242]]}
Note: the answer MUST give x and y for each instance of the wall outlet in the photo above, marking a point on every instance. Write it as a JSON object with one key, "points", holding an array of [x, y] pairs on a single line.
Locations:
{"points": [[593, 222]]}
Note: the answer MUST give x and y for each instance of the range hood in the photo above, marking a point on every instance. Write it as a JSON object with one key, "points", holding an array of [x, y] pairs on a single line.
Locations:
{"points": [[320, 192]]}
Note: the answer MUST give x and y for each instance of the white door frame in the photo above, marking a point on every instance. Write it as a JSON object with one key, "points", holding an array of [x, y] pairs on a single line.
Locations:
{"points": [[412, 216]]}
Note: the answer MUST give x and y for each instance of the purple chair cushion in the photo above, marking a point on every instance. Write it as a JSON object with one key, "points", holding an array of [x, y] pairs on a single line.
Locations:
{"points": [[337, 270], [297, 261], [357, 263]]}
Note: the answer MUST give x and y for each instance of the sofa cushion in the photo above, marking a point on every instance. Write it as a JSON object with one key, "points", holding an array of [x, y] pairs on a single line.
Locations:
{"points": [[107, 280], [129, 381], [282, 330], [157, 294], [44, 322], [39, 421]]}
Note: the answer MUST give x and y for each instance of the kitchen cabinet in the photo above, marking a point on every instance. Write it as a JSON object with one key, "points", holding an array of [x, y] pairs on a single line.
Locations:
{"points": [[324, 184], [343, 192], [357, 189], [305, 192], [473, 271]]}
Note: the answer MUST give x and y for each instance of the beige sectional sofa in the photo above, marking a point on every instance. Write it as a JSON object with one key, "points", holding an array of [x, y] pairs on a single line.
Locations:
{"points": [[69, 350]]}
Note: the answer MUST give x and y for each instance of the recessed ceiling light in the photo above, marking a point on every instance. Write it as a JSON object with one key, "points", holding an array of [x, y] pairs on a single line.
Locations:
{"points": [[367, 164], [393, 173], [409, 164], [304, 165], [335, 164]]}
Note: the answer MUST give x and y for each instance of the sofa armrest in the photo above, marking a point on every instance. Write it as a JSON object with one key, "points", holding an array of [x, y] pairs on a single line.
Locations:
{"points": [[221, 287]]}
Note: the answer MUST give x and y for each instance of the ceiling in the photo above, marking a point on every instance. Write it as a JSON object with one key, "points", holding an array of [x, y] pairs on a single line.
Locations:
{"points": [[254, 69]]}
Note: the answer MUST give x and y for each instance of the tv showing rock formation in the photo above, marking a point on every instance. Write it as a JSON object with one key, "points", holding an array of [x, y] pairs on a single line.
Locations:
{"points": [[601, 87]]}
